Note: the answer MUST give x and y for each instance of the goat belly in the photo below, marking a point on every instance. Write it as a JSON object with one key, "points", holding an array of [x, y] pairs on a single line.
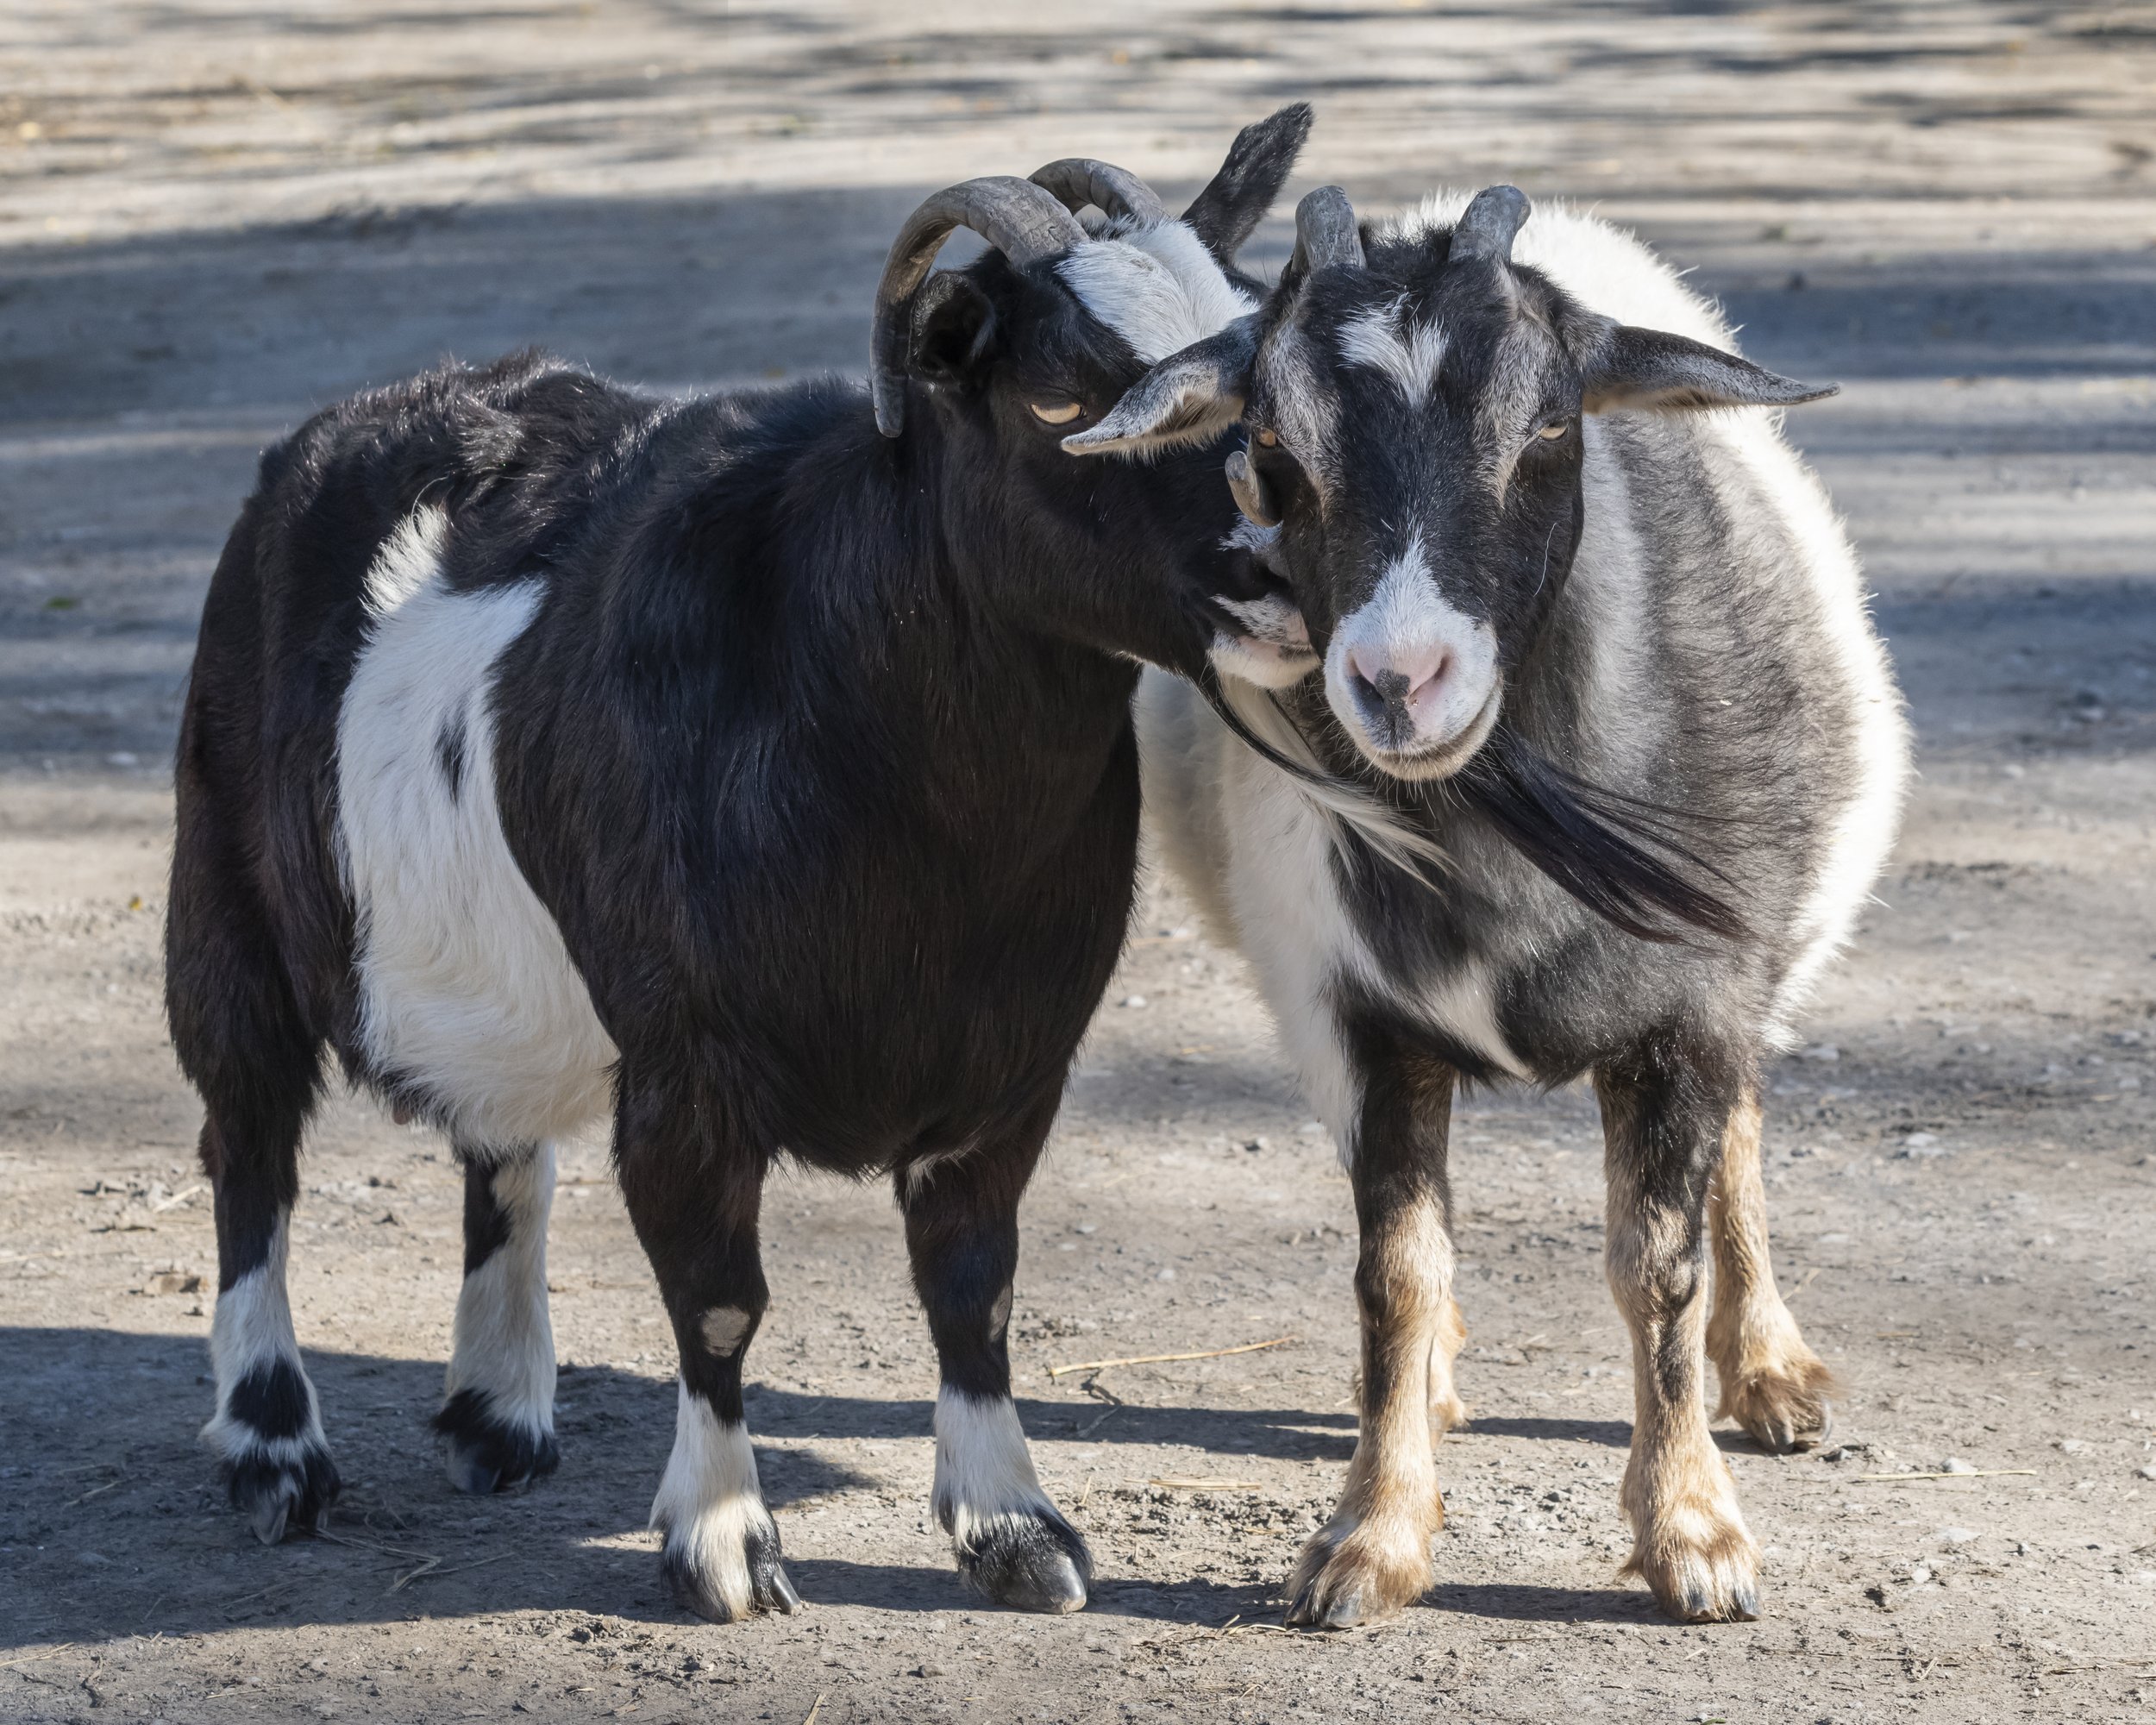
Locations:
{"points": [[465, 989]]}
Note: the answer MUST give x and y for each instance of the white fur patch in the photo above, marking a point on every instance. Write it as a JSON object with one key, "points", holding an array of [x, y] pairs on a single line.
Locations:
{"points": [[1463, 1007], [505, 1336], [465, 985], [983, 1470], [724, 1328], [709, 1500], [1158, 288], [1255, 848], [1404, 624], [1385, 340], [252, 1328]]}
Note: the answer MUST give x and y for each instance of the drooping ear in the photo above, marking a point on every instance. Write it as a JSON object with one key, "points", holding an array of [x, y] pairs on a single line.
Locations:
{"points": [[1650, 368], [1258, 163], [1191, 397], [955, 330]]}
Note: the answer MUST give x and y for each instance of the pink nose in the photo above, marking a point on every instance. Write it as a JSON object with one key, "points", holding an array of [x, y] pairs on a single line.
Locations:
{"points": [[1399, 682]]}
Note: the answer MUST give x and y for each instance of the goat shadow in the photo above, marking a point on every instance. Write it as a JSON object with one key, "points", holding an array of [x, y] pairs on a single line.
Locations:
{"points": [[114, 1522]]}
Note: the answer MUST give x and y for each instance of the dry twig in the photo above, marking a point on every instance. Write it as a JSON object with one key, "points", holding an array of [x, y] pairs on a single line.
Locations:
{"points": [[1163, 1358], [1973, 1473]]}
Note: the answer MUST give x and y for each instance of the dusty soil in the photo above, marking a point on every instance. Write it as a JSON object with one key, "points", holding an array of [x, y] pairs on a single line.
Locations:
{"points": [[215, 217]]}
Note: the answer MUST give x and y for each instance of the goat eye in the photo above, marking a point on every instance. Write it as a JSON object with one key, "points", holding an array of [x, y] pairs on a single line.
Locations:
{"points": [[1268, 438], [1061, 414], [1555, 429]]}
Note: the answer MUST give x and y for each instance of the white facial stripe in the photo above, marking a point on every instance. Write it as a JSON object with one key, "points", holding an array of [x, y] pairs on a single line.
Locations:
{"points": [[983, 1470], [710, 1501], [504, 1337], [465, 984], [251, 1329], [1159, 289], [1385, 341], [1404, 626]]}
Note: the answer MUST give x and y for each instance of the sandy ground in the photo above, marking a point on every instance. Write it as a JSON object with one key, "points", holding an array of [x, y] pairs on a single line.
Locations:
{"points": [[215, 216]]}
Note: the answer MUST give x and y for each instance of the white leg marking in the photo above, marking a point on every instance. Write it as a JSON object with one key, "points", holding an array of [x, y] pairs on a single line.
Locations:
{"points": [[504, 1337], [984, 1472], [251, 1331], [710, 1503]]}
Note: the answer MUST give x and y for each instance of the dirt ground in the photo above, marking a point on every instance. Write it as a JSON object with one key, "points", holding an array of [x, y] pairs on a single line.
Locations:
{"points": [[214, 215]]}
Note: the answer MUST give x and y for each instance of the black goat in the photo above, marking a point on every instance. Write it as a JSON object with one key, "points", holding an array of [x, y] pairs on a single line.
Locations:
{"points": [[758, 768], [1599, 663]]}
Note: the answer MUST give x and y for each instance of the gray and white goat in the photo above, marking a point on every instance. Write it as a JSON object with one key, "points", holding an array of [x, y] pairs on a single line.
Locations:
{"points": [[1596, 667]]}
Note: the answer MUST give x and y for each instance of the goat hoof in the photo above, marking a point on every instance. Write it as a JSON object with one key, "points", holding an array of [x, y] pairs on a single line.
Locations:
{"points": [[1700, 1563], [487, 1453], [1315, 1609], [1029, 1563], [723, 1581], [1350, 1573], [1782, 1399], [287, 1490]]}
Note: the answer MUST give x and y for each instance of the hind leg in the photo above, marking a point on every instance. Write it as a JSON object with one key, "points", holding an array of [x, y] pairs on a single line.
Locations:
{"points": [[267, 1428], [497, 1406], [1772, 1385], [247, 1047]]}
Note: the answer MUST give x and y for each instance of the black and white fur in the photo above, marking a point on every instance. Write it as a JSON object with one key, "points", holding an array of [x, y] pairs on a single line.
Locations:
{"points": [[1539, 585], [555, 751]]}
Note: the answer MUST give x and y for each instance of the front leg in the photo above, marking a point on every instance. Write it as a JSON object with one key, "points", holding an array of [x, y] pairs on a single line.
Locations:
{"points": [[1772, 1383], [1664, 1111], [961, 1234], [1373, 1557], [694, 1203]]}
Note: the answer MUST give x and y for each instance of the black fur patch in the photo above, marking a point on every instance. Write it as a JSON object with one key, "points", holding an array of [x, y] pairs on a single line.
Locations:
{"points": [[448, 750], [486, 1220], [1594, 843], [494, 1454], [271, 1400], [1591, 841], [1025, 1561], [279, 1495]]}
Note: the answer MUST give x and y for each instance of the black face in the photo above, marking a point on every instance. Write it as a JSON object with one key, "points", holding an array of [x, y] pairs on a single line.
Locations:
{"points": [[1022, 363], [1414, 416], [1417, 426], [1146, 558]]}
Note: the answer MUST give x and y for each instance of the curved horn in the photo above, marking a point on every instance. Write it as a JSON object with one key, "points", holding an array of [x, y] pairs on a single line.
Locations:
{"points": [[1325, 233], [1077, 181], [1488, 227], [1019, 218]]}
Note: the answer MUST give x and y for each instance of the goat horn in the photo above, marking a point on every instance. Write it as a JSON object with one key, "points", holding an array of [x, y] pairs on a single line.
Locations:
{"points": [[1488, 225], [1077, 181], [1325, 233], [1016, 217]]}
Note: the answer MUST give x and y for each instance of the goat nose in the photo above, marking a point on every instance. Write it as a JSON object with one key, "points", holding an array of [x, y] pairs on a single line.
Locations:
{"points": [[1401, 679]]}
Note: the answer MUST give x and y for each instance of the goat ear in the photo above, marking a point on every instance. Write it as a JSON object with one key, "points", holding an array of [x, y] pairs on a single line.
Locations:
{"points": [[1235, 200], [1652, 369], [1188, 398], [955, 330]]}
